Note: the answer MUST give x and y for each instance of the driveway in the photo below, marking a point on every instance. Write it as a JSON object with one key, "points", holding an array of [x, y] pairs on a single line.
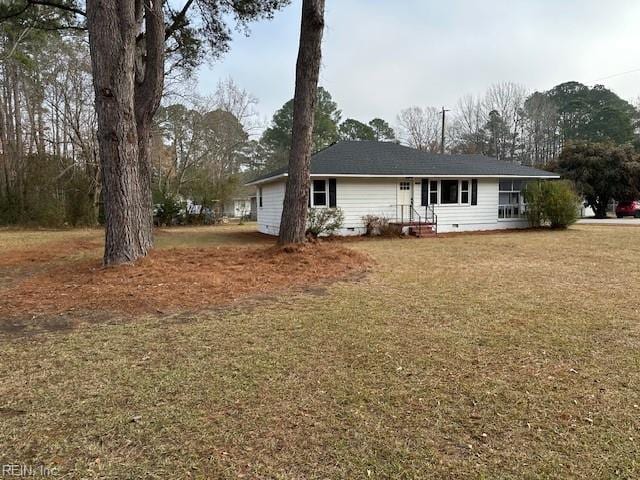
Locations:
{"points": [[629, 221]]}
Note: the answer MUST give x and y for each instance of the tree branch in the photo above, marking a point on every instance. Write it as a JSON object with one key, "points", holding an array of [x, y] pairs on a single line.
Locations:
{"points": [[61, 27], [178, 20], [59, 6], [15, 14], [149, 90]]}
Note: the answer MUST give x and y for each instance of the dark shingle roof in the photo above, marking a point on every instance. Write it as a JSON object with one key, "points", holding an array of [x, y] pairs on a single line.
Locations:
{"points": [[386, 158]]}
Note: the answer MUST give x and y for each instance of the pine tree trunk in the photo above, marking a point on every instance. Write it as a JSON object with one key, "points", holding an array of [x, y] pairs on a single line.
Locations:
{"points": [[128, 93], [148, 94], [112, 40], [294, 214], [144, 166]]}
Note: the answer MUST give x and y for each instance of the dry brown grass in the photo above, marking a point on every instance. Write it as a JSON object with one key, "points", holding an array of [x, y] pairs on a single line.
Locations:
{"points": [[503, 356]]}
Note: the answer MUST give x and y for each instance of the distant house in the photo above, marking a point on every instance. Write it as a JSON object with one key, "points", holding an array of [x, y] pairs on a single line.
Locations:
{"points": [[239, 207], [242, 205], [447, 193]]}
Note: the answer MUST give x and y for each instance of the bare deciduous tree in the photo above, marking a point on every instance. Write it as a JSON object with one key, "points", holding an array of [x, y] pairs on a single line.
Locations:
{"points": [[507, 99], [468, 125], [541, 136], [420, 127], [49, 172], [231, 98]]}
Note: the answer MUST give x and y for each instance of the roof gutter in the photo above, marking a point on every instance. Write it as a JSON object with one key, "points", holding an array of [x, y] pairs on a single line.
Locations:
{"points": [[352, 175], [266, 180]]}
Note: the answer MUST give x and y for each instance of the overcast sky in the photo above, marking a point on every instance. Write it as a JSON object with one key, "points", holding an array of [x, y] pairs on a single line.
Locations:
{"points": [[380, 56]]}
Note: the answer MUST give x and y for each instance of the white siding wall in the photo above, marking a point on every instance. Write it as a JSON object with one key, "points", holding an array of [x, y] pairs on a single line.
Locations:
{"points": [[358, 197], [466, 218], [271, 211]]}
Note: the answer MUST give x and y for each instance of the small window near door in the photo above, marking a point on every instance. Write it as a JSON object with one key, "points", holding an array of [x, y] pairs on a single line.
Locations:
{"points": [[405, 185], [433, 192], [319, 193], [449, 192], [464, 191], [260, 196]]}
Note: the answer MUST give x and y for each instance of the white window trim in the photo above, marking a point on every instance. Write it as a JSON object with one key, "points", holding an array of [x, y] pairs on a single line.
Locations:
{"points": [[326, 192], [459, 203], [430, 191], [468, 202], [521, 206]]}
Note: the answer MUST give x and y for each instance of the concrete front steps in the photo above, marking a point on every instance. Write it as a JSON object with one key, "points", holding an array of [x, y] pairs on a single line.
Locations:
{"points": [[423, 230]]}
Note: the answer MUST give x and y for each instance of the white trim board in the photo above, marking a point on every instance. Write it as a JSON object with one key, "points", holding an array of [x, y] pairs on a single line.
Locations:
{"points": [[350, 175]]}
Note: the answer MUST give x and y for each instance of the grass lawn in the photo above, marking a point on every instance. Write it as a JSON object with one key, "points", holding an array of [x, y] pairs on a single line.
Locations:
{"points": [[503, 356]]}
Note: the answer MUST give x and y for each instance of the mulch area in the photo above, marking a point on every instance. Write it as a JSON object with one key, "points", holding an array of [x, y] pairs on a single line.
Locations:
{"points": [[53, 251], [178, 279]]}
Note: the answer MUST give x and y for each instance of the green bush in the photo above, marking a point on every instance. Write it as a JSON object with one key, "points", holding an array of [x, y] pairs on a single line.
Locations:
{"points": [[48, 192], [169, 210], [561, 207], [551, 202], [10, 213], [534, 194], [324, 221], [79, 205]]}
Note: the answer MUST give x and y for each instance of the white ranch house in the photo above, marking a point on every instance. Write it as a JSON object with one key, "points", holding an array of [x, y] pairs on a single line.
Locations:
{"points": [[417, 190]]}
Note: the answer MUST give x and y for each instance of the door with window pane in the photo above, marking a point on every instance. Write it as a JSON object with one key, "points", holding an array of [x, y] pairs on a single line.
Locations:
{"points": [[403, 209]]}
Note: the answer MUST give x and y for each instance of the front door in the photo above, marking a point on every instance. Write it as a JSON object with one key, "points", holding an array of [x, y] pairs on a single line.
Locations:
{"points": [[403, 208]]}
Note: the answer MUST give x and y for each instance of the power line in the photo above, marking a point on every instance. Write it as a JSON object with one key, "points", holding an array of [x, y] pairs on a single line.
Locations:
{"points": [[615, 75]]}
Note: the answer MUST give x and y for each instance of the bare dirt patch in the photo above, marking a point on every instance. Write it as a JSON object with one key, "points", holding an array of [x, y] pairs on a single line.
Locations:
{"points": [[178, 279]]}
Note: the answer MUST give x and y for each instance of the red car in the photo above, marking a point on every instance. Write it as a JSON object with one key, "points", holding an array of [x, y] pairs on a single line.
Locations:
{"points": [[628, 209]]}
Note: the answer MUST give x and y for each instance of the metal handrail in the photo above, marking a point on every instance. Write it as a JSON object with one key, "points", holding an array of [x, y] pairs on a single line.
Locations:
{"points": [[415, 212], [409, 212], [430, 217], [434, 217]]}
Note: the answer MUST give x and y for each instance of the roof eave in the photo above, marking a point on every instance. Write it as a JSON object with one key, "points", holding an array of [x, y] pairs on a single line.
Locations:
{"points": [[362, 175], [431, 175], [266, 180]]}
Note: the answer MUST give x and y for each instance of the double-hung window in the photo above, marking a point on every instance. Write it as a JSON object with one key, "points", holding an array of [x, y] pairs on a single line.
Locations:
{"points": [[433, 192], [319, 193], [464, 191]]}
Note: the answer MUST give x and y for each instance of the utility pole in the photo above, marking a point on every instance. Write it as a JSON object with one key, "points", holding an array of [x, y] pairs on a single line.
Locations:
{"points": [[444, 113]]}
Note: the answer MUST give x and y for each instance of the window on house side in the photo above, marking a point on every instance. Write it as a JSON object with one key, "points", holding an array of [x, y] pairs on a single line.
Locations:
{"points": [[319, 193]]}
